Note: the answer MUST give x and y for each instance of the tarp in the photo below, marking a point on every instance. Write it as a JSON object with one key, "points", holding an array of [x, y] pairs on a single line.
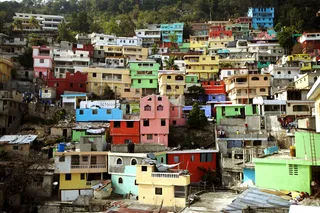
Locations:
{"points": [[95, 131]]}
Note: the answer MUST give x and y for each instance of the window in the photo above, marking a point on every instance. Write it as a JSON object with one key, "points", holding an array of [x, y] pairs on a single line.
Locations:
{"points": [[179, 192], [130, 124], [159, 98], [206, 157], [299, 108], [265, 78], [81, 112], [134, 161], [94, 111], [176, 159], [160, 108], [192, 158], [61, 159], [119, 161], [117, 124], [279, 72], [293, 169], [151, 81], [144, 168], [163, 122], [158, 191], [85, 158], [135, 182], [289, 72], [262, 90], [255, 79], [94, 75], [126, 90], [236, 109], [168, 77], [67, 176], [174, 122], [139, 81], [149, 136], [71, 85], [82, 176], [120, 180], [147, 108], [108, 111], [146, 122], [161, 160], [41, 61]]}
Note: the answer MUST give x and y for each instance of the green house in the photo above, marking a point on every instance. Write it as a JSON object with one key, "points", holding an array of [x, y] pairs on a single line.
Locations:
{"points": [[144, 74], [234, 110], [291, 173], [192, 79]]}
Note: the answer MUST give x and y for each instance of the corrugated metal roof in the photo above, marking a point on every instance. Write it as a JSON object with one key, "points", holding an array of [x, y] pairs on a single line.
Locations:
{"points": [[18, 139], [256, 199]]}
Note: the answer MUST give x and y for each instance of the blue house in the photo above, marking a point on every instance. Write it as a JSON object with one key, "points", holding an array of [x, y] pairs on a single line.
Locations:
{"points": [[169, 29], [89, 115], [261, 17], [205, 108], [212, 97]]}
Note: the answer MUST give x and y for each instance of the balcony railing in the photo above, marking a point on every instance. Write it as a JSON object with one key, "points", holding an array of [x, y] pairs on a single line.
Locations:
{"points": [[164, 175], [92, 166]]}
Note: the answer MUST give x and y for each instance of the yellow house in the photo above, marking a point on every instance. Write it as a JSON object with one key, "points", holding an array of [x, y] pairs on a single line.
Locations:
{"points": [[156, 188], [205, 66], [304, 60], [117, 78], [171, 82], [78, 171], [5, 70], [199, 42], [135, 52], [242, 89], [306, 80], [219, 42]]}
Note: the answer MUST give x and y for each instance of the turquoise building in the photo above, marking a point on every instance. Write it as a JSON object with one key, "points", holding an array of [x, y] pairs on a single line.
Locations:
{"points": [[170, 29], [261, 17], [125, 183]]}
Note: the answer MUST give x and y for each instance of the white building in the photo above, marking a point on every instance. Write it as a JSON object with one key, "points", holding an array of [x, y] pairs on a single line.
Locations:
{"points": [[129, 41], [69, 61], [46, 22], [102, 39], [150, 35]]}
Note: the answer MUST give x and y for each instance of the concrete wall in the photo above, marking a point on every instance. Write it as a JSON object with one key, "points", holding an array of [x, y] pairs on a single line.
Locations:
{"points": [[138, 148], [58, 131], [46, 112]]}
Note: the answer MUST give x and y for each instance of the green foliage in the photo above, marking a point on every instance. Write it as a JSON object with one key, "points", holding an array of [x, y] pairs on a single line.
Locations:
{"points": [[17, 24], [65, 33], [37, 40], [196, 118], [170, 65], [26, 59], [285, 37], [154, 49], [33, 21], [195, 91]]}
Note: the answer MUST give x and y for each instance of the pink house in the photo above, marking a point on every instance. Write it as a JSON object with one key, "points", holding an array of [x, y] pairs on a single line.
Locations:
{"points": [[42, 61], [176, 116], [154, 119]]}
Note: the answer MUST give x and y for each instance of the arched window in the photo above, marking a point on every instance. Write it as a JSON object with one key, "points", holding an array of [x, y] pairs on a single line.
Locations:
{"points": [[289, 72], [161, 160], [119, 161], [160, 108], [120, 180], [147, 108], [134, 161], [179, 78], [168, 87], [177, 87], [279, 72], [265, 78]]}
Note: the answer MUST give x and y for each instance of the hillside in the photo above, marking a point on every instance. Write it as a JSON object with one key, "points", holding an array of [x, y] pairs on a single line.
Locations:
{"points": [[99, 15]]}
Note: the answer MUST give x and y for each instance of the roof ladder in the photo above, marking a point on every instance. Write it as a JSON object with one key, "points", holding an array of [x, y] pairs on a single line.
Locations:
{"points": [[313, 149]]}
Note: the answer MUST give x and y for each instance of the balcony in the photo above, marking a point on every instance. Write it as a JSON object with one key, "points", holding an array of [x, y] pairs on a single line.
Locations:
{"points": [[89, 168], [112, 79], [164, 175]]}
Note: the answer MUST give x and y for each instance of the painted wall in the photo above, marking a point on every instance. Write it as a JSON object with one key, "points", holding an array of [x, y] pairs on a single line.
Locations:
{"points": [[233, 111], [191, 162], [276, 176], [205, 108], [303, 145], [76, 134], [74, 183], [101, 114], [249, 174], [128, 185], [123, 132], [161, 157]]}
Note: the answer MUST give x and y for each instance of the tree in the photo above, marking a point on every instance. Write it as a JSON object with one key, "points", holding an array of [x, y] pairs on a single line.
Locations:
{"points": [[111, 27], [285, 38], [17, 24], [65, 33], [33, 21], [170, 65], [154, 49], [26, 59], [195, 91], [173, 37], [37, 40], [2, 19], [196, 118]]}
